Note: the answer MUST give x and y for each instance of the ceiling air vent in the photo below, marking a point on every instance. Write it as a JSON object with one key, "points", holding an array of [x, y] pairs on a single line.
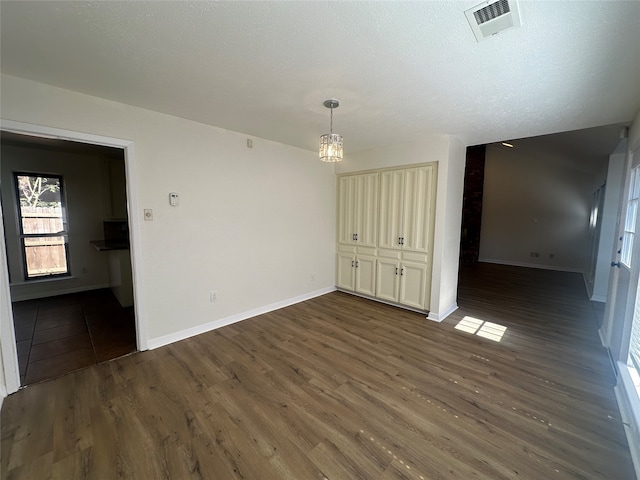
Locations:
{"points": [[490, 18]]}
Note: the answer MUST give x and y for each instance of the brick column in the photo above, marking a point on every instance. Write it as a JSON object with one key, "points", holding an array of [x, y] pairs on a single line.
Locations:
{"points": [[472, 204]]}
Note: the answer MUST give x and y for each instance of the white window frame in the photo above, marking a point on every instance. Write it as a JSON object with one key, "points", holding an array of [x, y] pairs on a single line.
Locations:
{"points": [[631, 213], [62, 234]]}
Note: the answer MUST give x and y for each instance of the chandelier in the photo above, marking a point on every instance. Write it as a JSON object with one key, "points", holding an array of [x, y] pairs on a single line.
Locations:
{"points": [[331, 143]]}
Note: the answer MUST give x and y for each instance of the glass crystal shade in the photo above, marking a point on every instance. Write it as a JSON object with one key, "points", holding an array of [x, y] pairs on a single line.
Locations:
{"points": [[331, 147]]}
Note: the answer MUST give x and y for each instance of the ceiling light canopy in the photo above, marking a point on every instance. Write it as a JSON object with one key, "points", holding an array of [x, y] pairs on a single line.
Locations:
{"points": [[331, 143]]}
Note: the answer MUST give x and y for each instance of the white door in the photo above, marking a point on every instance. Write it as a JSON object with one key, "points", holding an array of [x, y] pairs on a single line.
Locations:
{"points": [[366, 216], [391, 188], [626, 267], [346, 268], [347, 190], [387, 279], [418, 209], [413, 282], [366, 275]]}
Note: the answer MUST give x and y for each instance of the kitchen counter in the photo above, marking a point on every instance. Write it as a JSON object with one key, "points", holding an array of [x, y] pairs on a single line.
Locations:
{"points": [[106, 245]]}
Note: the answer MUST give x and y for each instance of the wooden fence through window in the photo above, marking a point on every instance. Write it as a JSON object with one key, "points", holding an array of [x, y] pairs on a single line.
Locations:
{"points": [[45, 254]]}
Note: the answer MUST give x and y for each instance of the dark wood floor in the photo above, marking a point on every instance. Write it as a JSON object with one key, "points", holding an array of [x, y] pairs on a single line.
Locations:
{"points": [[338, 388], [57, 335]]}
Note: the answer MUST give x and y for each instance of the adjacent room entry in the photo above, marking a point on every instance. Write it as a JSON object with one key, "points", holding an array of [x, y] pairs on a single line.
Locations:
{"points": [[67, 241]]}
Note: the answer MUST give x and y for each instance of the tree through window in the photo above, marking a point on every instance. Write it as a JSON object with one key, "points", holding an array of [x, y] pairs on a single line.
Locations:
{"points": [[43, 225]]}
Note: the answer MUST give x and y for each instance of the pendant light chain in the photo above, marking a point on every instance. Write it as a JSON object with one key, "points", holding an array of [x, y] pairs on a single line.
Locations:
{"points": [[331, 124]]}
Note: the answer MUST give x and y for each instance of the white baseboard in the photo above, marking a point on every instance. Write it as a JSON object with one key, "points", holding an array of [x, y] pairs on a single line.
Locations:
{"points": [[602, 341], [598, 298], [17, 297], [531, 265], [438, 317], [629, 406], [223, 322]]}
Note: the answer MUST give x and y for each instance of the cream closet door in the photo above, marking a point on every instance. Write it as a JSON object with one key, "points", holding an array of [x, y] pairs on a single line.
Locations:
{"points": [[418, 208], [358, 210], [388, 279], [347, 192], [346, 271], [366, 207], [391, 199], [365, 273], [413, 284], [357, 232]]}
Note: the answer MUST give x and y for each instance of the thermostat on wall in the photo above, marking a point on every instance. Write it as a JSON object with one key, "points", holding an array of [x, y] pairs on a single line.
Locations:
{"points": [[174, 199]]}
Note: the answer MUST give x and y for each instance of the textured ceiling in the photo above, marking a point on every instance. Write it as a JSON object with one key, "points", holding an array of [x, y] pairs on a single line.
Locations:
{"points": [[402, 70]]}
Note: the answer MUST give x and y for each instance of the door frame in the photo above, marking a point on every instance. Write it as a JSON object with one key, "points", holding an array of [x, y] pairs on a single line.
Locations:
{"points": [[7, 332]]}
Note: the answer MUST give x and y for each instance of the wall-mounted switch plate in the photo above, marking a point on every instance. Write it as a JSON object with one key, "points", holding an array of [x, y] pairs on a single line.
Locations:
{"points": [[174, 199]]}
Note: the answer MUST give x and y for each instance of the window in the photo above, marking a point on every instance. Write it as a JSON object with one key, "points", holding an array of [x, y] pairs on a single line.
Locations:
{"points": [[43, 225], [630, 217]]}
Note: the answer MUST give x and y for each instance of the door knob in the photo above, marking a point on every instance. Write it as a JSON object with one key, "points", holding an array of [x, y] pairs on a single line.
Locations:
{"points": [[615, 264]]}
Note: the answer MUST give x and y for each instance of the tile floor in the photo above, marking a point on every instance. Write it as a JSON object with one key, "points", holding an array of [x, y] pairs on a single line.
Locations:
{"points": [[57, 335]]}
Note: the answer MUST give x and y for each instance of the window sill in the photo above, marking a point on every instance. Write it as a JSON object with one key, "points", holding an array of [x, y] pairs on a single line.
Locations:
{"points": [[42, 280], [628, 396]]}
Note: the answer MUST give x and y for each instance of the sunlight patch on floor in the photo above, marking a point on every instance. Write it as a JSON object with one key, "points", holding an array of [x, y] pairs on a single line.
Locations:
{"points": [[482, 328]]}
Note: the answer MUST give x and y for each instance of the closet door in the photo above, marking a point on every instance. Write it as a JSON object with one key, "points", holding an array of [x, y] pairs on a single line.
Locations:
{"points": [[413, 284], [346, 271], [366, 210], [388, 279], [365, 272], [418, 211], [391, 199], [347, 195]]}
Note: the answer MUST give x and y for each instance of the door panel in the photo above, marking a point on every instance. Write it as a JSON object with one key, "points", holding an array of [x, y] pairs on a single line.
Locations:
{"points": [[346, 274], [347, 209], [418, 209], [391, 186], [366, 216], [413, 281], [366, 275], [387, 279]]}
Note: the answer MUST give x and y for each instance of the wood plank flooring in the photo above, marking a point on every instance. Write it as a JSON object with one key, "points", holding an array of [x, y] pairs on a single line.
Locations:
{"points": [[340, 387]]}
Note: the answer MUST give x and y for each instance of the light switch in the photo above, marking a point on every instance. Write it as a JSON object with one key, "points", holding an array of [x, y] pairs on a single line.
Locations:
{"points": [[174, 199]]}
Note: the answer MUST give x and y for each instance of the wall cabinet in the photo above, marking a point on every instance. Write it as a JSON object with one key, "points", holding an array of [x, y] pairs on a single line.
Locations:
{"points": [[358, 210], [385, 234], [407, 200], [403, 281], [356, 272]]}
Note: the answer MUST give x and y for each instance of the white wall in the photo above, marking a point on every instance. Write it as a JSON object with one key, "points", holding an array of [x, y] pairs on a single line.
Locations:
{"points": [[430, 149], [535, 202], [448, 227], [82, 177], [253, 224], [450, 155]]}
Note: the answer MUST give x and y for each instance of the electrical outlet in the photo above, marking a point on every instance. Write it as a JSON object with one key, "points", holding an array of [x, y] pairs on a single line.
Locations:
{"points": [[148, 214], [213, 296], [535, 254]]}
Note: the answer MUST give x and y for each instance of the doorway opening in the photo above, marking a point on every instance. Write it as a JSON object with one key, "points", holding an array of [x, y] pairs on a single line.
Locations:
{"points": [[66, 320]]}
